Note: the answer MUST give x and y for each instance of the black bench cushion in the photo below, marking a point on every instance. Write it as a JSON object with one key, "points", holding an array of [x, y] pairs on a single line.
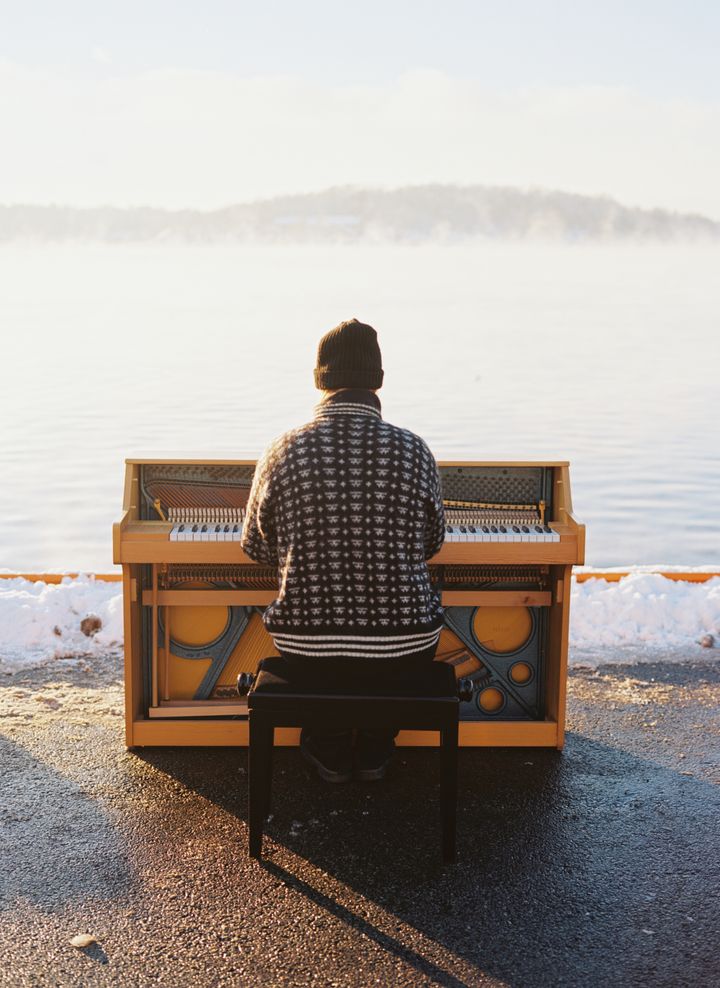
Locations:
{"points": [[279, 675]]}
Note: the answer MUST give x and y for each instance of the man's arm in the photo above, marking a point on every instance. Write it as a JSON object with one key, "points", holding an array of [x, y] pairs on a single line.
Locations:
{"points": [[434, 513], [259, 537]]}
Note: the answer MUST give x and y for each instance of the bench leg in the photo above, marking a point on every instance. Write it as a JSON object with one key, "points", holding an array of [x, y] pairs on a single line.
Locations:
{"points": [[259, 780], [448, 788]]}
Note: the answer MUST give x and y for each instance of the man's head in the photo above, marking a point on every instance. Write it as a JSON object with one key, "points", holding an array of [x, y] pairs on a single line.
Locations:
{"points": [[349, 357]]}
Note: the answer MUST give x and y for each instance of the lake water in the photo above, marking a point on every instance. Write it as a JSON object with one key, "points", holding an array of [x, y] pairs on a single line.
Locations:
{"points": [[604, 356]]}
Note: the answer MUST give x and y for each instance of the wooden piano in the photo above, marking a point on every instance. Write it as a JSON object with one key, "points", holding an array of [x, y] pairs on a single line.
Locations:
{"points": [[193, 600]]}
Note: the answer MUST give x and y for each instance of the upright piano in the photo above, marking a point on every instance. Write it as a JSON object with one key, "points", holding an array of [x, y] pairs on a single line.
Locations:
{"points": [[193, 600]]}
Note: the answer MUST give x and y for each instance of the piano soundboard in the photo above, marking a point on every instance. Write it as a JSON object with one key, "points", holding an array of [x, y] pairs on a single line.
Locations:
{"points": [[194, 601]]}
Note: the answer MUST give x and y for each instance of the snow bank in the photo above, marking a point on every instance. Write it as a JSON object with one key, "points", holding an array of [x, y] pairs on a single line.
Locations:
{"points": [[642, 616], [42, 621], [644, 610]]}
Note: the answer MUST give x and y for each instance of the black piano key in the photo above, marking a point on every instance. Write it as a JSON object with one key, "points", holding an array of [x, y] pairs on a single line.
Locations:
{"points": [[502, 529], [516, 529], [526, 529]]}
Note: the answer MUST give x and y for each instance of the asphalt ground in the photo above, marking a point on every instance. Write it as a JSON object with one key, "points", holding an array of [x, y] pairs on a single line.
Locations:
{"points": [[596, 866]]}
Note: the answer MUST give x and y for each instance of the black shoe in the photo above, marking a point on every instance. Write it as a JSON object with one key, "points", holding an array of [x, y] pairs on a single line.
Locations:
{"points": [[372, 757], [331, 756]]}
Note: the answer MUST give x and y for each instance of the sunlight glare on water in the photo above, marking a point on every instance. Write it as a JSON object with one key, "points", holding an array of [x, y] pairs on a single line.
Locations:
{"points": [[605, 356]]}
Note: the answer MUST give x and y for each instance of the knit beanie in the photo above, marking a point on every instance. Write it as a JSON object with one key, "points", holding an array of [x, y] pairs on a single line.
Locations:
{"points": [[349, 357]]}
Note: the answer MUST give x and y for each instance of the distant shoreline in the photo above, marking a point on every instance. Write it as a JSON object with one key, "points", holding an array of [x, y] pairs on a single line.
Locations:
{"points": [[429, 214]]}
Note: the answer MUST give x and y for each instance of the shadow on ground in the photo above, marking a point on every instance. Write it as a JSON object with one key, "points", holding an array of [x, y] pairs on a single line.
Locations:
{"points": [[58, 845], [591, 864], [599, 865]]}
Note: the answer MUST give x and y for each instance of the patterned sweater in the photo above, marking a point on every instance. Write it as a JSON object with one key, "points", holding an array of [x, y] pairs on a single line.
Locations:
{"points": [[348, 507]]}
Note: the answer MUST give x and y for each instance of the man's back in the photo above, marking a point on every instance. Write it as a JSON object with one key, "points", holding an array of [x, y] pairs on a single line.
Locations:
{"points": [[349, 508]]}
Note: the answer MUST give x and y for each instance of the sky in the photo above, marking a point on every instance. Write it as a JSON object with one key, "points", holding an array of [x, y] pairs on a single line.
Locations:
{"points": [[202, 104]]}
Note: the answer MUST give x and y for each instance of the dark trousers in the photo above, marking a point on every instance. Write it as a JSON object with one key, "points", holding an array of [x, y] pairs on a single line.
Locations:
{"points": [[367, 675]]}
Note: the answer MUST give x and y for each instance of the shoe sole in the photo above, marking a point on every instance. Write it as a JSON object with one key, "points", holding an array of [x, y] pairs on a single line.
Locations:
{"points": [[322, 770], [370, 774]]}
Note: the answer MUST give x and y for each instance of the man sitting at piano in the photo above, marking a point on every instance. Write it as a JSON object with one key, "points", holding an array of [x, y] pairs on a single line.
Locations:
{"points": [[349, 508]]}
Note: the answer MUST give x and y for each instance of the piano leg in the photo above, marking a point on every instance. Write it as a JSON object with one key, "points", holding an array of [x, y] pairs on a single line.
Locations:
{"points": [[154, 670], [166, 678]]}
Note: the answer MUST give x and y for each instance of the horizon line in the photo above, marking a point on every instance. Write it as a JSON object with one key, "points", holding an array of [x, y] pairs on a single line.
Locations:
{"points": [[370, 187]]}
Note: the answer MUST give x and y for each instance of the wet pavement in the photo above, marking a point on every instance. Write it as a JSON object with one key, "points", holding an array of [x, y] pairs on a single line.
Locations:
{"points": [[599, 865]]}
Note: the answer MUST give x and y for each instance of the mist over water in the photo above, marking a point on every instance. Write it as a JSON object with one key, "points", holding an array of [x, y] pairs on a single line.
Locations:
{"points": [[605, 356]]}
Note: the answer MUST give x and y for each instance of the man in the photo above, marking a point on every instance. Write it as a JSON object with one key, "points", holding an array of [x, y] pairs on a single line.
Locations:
{"points": [[349, 509]]}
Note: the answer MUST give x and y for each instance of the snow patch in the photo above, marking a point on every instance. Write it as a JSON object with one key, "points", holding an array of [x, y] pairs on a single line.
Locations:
{"points": [[644, 611], [642, 616], [42, 621]]}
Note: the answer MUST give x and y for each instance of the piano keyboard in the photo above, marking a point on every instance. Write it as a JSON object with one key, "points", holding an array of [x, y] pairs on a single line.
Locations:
{"points": [[206, 524], [205, 533], [225, 525], [500, 533], [487, 522]]}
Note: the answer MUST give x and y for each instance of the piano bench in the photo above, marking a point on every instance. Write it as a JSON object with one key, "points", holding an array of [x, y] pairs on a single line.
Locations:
{"points": [[424, 701]]}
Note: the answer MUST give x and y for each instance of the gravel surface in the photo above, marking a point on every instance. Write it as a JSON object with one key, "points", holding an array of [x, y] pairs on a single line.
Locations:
{"points": [[598, 865]]}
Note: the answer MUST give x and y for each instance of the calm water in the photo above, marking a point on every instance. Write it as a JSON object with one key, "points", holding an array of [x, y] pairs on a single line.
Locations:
{"points": [[607, 357]]}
